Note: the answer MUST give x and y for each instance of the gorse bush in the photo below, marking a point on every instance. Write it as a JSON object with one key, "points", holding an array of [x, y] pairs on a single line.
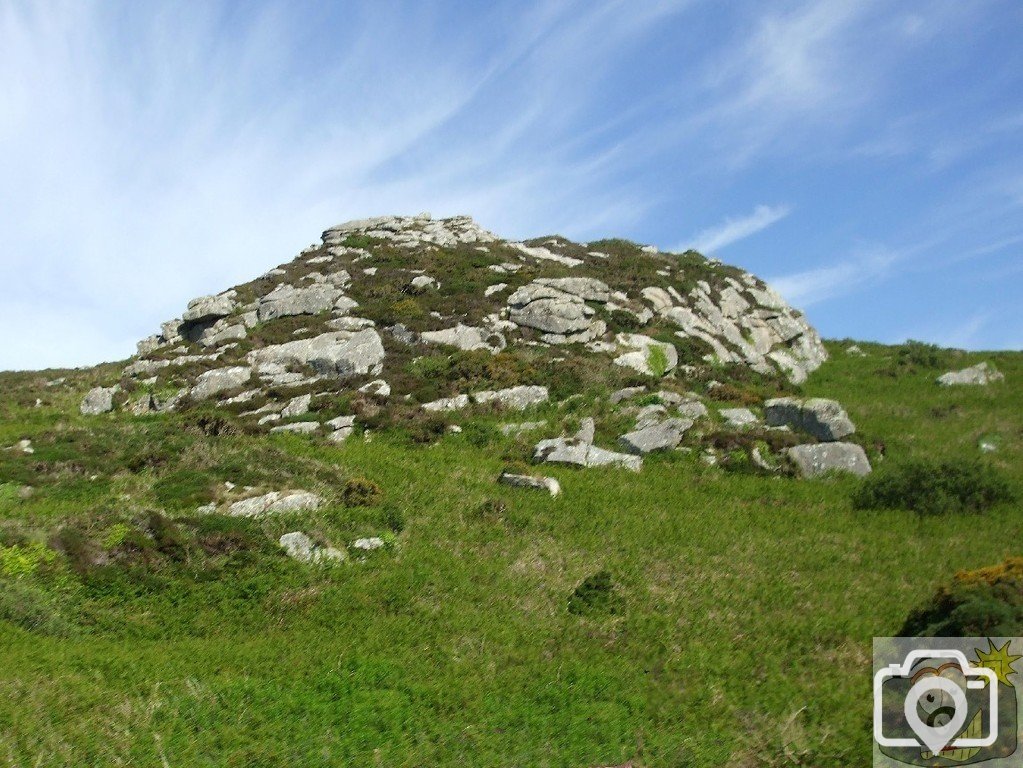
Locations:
{"points": [[360, 492], [931, 488], [984, 602]]}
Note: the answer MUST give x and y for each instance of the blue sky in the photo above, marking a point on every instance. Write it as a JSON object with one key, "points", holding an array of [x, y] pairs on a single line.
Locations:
{"points": [[866, 157]]}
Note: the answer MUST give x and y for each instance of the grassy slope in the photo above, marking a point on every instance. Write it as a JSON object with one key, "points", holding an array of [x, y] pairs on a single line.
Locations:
{"points": [[749, 607]]}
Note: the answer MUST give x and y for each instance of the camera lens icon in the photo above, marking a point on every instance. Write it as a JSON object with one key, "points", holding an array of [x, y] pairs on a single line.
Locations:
{"points": [[936, 707], [944, 704]]}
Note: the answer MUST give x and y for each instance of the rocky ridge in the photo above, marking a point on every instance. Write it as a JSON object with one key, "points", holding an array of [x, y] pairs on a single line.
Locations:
{"points": [[403, 313]]}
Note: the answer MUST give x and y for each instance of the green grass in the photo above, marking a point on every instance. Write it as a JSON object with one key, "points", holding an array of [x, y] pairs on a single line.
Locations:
{"points": [[738, 634]]}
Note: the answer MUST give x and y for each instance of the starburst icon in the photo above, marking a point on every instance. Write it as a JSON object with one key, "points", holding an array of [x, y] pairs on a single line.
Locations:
{"points": [[998, 660]]}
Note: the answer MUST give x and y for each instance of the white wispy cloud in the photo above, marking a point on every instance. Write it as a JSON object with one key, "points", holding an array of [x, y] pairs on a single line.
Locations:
{"points": [[812, 286], [734, 229], [152, 154]]}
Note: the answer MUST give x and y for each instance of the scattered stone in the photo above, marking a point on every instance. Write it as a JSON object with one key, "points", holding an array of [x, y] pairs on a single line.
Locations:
{"points": [[467, 337], [854, 349], [342, 422], [626, 394], [980, 374], [143, 406], [645, 355], [548, 484], [455, 403], [220, 380], [516, 398], [369, 544], [298, 427], [275, 502], [338, 353], [99, 400], [25, 446], [302, 548], [423, 283], [580, 451], [297, 406], [209, 307], [376, 388], [287, 300], [693, 409], [739, 417], [824, 419], [817, 459], [656, 437], [492, 289]]}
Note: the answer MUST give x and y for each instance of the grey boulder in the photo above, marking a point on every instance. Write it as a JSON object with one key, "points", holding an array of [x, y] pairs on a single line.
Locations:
{"points": [[824, 419], [980, 374], [548, 484], [302, 548], [338, 353], [658, 437], [287, 300], [98, 400], [275, 502], [817, 459], [219, 380]]}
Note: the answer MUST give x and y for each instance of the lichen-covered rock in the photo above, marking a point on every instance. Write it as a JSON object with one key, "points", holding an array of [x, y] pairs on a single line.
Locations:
{"points": [[739, 418], [209, 307], [219, 380], [275, 502], [661, 436], [564, 450], [299, 546], [455, 403], [817, 459], [298, 427], [467, 338], [516, 398], [645, 355], [824, 419], [297, 406], [980, 374], [549, 484], [338, 353], [98, 400], [287, 300]]}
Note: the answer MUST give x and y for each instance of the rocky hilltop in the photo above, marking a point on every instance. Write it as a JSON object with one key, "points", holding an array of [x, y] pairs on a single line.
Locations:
{"points": [[409, 315]]}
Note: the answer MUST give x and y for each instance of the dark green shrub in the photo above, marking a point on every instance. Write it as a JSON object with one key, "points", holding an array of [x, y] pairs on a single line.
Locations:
{"points": [[985, 602], [360, 492], [596, 594], [930, 488]]}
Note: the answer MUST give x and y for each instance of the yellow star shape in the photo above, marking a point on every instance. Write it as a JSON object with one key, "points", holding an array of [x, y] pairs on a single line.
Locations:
{"points": [[998, 660]]}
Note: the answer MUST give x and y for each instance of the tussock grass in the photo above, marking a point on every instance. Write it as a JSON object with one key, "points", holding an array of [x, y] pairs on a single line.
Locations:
{"points": [[744, 605]]}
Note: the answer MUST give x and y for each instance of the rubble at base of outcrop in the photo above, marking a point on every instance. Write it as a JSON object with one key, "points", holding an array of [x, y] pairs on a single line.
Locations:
{"points": [[579, 450], [980, 374]]}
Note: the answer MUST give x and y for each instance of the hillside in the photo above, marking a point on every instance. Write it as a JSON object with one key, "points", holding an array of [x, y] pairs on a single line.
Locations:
{"points": [[277, 535]]}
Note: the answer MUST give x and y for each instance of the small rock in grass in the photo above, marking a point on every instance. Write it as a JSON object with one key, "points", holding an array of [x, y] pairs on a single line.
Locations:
{"points": [[549, 484]]}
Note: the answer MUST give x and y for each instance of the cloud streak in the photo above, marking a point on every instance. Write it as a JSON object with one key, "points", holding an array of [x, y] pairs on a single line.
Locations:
{"points": [[733, 230]]}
